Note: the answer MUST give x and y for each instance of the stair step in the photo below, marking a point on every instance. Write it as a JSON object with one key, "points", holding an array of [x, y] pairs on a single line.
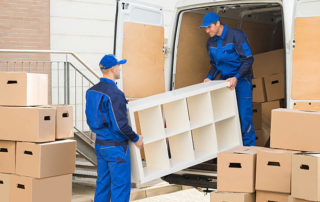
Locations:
{"points": [[84, 163], [88, 182], [85, 173]]}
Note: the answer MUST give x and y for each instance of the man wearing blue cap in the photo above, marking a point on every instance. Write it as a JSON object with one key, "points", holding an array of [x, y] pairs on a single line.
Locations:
{"points": [[107, 117], [231, 57]]}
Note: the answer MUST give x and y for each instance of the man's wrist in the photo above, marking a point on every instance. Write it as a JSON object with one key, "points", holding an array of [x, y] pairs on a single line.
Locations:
{"points": [[209, 77], [136, 139]]}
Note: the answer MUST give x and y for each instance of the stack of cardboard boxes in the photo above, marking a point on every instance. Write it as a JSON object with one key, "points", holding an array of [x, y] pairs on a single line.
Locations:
{"points": [[37, 158], [282, 173], [267, 91], [299, 130]]}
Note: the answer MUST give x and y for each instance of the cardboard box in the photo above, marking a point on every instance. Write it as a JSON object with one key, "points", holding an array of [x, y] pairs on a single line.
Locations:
{"points": [[237, 170], [64, 121], [275, 87], [274, 170], [53, 189], [262, 138], [292, 199], [258, 90], [7, 157], [257, 116], [262, 114], [31, 124], [232, 197], [305, 176], [266, 110], [23, 89], [5, 184], [46, 159], [268, 63], [262, 196], [295, 130]]}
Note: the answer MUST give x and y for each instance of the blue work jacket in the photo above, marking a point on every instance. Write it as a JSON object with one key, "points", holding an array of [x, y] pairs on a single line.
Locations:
{"points": [[106, 111], [230, 54]]}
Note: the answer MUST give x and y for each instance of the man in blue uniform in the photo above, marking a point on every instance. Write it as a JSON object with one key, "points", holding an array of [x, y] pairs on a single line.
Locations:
{"points": [[231, 57], [107, 117]]}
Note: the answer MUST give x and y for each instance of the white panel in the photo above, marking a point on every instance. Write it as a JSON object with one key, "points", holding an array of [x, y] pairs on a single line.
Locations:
{"points": [[181, 149], [57, 95], [225, 134], [307, 8], [205, 141], [85, 9], [157, 158], [82, 27], [172, 110], [80, 44], [138, 12], [151, 123], [85, 27], [200, 110], [185, 149], [222, 103]]}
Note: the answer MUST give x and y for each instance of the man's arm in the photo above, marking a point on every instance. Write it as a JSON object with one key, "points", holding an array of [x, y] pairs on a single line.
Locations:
{"points": [[213, 72], [244, 51], [120, 112]]}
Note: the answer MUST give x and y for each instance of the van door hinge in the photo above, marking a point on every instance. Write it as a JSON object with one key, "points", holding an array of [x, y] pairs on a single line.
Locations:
{"points": [[294, 43], [165, 50], [125, 6]]}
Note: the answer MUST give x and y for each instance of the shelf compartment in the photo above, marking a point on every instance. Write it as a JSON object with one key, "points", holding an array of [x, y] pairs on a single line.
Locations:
{"points": [[200, 125], [226, 134], [223, 103], [151, 124], [181, 149], [176, 117], [200, 109], [157, 159], [224, 117], [205, 141]]}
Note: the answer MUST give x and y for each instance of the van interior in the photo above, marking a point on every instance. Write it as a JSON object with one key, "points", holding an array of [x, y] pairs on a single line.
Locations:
{"points": [[263, 25]]}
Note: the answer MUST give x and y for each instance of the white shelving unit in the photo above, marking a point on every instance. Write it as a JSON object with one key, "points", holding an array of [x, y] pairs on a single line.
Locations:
{"points": [[182, 128]]}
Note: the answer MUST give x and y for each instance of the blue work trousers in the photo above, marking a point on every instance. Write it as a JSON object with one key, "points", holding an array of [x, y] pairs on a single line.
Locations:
{"points": [[114, 173], [244, 99]]}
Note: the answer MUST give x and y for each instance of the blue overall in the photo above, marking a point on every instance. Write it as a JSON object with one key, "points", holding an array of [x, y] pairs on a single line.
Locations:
{"points": [[230, 56], [107, 117]]}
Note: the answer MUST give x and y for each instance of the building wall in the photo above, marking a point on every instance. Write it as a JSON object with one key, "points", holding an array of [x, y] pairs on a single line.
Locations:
{"points": [[25, 24]]}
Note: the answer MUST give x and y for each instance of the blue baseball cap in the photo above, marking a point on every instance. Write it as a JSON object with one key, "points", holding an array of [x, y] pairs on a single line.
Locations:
{"points": [[109, 61], [210, 18]]}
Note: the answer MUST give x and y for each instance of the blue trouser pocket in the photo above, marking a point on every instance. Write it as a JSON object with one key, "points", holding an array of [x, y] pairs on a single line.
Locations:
{"points": [[244, 99], [114, 173]]}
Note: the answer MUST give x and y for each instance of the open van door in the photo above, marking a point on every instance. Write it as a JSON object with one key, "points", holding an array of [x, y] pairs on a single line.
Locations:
{"points": [[305, 83], [139, 38]]}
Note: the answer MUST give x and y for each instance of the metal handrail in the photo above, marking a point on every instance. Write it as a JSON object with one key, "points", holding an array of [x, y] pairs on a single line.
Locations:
{"points": [[53, 52]]}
